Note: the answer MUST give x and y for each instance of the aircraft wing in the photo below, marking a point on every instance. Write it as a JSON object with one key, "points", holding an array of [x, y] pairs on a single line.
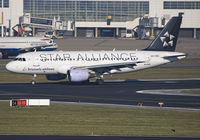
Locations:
{"points": [[107, 67]]}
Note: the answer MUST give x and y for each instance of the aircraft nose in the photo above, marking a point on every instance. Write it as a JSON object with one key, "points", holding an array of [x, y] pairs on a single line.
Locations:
{"points": [[10, 67]]}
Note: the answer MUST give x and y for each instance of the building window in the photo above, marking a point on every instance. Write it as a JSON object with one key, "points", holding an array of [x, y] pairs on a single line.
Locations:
{"points": [[5, 3], [85, 10], [181, 5]]}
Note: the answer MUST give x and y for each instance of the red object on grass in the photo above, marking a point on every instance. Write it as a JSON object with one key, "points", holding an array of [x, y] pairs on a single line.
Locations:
{"points": [[21, 102]]}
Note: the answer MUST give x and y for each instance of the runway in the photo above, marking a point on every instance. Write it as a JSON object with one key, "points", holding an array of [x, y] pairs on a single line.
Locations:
{"points": [[111, 92], [51, 137]]}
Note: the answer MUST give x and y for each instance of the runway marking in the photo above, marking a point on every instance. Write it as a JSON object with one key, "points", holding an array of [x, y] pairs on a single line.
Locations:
{"points": [[174, 92]]}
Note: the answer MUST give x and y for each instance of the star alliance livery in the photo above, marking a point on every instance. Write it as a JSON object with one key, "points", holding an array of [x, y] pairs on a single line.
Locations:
{"points": [[12, 46], [80, 66]]}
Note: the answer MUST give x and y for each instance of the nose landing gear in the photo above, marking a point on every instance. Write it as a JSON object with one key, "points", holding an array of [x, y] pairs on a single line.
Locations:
{"points": [[33, 79]]}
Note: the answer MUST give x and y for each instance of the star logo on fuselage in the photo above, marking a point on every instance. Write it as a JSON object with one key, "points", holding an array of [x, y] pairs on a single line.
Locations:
{"points": [[167, 40]]}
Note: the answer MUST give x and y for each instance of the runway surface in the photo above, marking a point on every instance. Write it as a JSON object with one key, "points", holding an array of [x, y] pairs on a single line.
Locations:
{"points": [[111, 92], [49, 137]]}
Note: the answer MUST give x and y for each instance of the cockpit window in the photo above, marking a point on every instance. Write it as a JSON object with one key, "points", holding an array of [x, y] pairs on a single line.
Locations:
{"points": [[19, 59]]}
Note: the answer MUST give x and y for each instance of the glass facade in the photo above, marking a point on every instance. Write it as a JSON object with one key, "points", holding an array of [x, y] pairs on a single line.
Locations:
{"points": [[87, 10], [5, 3], [181, 4]]}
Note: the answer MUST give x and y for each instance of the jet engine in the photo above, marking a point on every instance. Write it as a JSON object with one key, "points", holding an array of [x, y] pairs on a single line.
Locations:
{"points": [[55, 77], [78, 75]]}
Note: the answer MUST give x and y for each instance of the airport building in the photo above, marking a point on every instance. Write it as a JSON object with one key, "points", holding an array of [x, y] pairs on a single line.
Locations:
{"points": [[99, 18]]}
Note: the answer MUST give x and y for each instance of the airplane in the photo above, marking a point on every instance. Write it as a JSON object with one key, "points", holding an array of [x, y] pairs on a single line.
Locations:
{"points": [[80, 66], [12, 46]]}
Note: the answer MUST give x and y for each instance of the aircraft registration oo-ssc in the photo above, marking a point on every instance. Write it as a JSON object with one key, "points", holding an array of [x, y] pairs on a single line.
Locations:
{"points": [[80, 66]]}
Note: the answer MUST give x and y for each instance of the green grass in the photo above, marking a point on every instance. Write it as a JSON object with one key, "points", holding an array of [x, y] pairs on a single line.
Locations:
{"points": [[87, 120], [6, 76], [3, 63], [194, 91], [194, 60]]}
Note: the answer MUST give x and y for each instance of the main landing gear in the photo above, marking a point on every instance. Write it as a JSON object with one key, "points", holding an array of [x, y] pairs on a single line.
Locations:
{"points": [[33, 79], [99, 80]]}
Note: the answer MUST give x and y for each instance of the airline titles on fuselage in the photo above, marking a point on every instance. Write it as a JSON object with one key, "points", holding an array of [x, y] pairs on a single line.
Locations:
{"points": [[39, 69], [87, 57]]}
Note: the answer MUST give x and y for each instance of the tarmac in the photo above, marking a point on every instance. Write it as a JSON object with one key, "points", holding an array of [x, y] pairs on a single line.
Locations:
{"points": [[60, 137], [123, 92]]}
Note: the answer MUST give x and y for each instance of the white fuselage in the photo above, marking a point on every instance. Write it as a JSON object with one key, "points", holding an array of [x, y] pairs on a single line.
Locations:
{"points": [[59, 62]]}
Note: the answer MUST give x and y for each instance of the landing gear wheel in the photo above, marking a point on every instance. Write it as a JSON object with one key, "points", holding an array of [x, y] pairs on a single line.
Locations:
{"points": [[33, 79], [99, 81], [33, 82]]}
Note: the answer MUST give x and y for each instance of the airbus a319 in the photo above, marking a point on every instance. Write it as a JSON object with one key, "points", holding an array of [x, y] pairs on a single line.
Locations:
{"points": [[80, 66]]}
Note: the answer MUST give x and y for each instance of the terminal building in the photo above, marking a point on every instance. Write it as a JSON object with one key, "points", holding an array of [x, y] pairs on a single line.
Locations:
{"points": [[98, 18]]}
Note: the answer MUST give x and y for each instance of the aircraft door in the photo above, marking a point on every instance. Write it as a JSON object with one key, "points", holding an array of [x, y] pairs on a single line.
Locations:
{"points": [[36, 63], [147, 62]]}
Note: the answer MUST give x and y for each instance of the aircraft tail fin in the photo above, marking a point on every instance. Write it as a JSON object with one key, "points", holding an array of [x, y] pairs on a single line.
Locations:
{"points": [[167, 38]]}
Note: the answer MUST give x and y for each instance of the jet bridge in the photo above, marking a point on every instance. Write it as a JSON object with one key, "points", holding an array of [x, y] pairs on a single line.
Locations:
{"points": [[36, 26]]}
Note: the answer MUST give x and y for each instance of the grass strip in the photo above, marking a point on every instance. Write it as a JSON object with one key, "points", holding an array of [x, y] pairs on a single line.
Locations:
{"points": [[90, 120], [3, 62], [194, 91]]}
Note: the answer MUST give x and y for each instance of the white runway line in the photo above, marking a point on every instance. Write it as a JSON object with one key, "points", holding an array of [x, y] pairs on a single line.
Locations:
{"points": [[168, 92]]}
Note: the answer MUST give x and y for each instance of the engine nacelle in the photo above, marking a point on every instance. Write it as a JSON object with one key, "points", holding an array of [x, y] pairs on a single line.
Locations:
{"points": [[77, 75], [55, 77]]}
